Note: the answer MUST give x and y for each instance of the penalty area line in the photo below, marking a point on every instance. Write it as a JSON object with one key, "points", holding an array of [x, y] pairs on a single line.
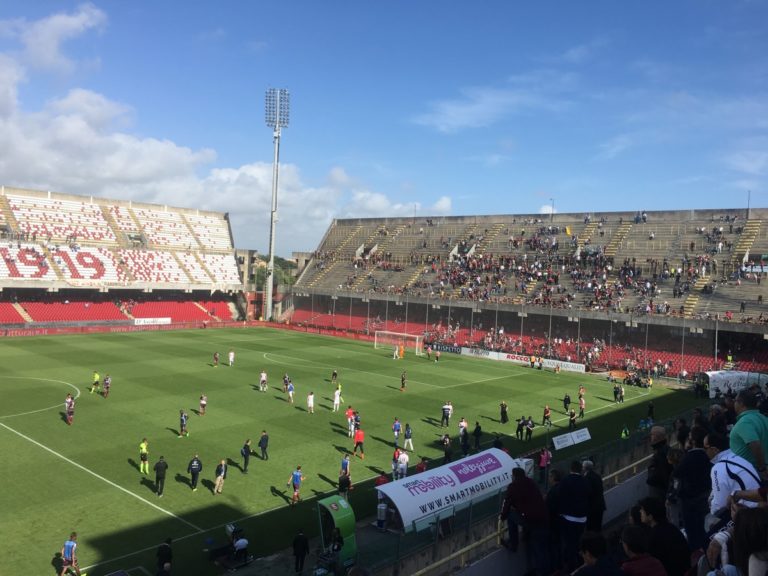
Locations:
{"points": [[100, 477]]}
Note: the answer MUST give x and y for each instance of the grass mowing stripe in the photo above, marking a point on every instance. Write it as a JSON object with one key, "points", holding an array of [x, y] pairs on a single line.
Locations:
{"points": [[100, 477]]}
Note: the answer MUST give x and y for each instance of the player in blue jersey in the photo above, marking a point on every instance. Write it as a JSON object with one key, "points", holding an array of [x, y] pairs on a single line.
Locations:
{"points": [[183, 419], [297, 477], [69, 556]]}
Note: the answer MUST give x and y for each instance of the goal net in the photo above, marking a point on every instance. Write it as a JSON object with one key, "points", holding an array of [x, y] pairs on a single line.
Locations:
{"points": [[385, 339]]}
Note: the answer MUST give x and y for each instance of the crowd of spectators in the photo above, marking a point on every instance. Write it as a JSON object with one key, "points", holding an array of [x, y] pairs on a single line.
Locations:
{"points": [[705, 513]]}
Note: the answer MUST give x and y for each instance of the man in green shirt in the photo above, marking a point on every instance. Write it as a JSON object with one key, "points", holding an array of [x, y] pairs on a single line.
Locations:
{"points": [[749, 436]]}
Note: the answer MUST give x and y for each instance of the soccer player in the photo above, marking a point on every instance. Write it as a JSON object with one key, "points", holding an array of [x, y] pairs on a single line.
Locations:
{"points": [[408, 435], [429, 352], [69, 408], [106, 385], [395, 353], [231, 358], [334, 376], [69, 556], [144, 456], [403, 378], [346, 466], [311, 403], [336, 399], [401, 352], [445, 415], [358, 439], [396, 427], [215, 359], [203, 404], [295, 480], [437, 356], [183, 420], [286, 379], [350, 414], [290, 392], [263, 381], [96, 381], [582, 405], [547, 419]]}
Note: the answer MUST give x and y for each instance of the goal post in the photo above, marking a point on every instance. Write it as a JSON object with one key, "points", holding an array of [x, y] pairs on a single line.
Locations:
{"points": [[386, 339]]}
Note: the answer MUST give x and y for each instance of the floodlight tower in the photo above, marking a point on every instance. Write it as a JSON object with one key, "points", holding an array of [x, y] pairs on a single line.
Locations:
{"points": [[277, 105]]}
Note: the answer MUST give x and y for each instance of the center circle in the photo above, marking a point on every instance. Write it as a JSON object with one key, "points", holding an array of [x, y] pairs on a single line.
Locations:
{"points": [[35, 411]]}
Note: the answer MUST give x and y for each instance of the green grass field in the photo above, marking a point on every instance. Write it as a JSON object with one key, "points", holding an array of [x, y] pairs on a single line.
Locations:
{"points": [[85, 477]]}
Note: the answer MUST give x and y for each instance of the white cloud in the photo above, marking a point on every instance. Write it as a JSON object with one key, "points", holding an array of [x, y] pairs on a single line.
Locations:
{"points": [[80, 143], [547, 209], [482, 106], [752, 162], [42, 39]]}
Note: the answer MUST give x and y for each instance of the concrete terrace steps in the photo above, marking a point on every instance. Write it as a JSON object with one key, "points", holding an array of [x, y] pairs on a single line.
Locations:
{"points": [[613, 246], [586, 234], [23, 313], [747, 239], [692, 300]]}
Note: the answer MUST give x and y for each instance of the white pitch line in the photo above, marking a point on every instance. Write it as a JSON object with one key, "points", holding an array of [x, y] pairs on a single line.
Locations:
{"points": [[100, 477], [60, 404]]}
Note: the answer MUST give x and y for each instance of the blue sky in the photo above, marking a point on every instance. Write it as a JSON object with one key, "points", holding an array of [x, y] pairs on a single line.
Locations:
{"points": [[397, 108]]}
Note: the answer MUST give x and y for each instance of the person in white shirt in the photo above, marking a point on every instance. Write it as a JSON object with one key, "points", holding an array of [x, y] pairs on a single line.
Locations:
{"points": [[336, 399], [402, 464], [263, 381], [231, 357], [729, 473], [311, 403]]}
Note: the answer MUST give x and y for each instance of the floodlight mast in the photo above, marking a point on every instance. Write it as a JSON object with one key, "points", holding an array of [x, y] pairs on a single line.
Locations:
{"points": [[277, 106]]}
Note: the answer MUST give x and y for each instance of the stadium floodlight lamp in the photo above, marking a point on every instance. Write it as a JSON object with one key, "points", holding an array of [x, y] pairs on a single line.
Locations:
{"points": [[276, 108]]}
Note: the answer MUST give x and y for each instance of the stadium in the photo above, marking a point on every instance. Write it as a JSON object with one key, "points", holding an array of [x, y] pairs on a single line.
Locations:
{"points": [[518, 309]]}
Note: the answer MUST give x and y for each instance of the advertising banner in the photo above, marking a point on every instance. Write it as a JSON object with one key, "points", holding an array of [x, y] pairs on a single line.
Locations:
{"points": [[451, 485], [150, 321], [522, 359]]}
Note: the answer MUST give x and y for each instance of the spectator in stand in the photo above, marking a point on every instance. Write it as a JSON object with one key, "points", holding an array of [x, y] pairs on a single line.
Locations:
{"points": [[524, 505], [729, 473], [634, 540], [694, 485], [749, 436], [572, 511], [596, 505], [594, 551], [666, 542], [659, 469]]}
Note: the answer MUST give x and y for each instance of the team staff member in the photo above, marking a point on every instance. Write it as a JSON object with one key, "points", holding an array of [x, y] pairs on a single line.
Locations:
{"points": [[245, 452], [144, 456], [161, 467], [264, 445], [193, 469], [221, 475]]}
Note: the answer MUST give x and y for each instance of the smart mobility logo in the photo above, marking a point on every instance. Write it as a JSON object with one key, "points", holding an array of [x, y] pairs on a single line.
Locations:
{"points": [[472, 468]]}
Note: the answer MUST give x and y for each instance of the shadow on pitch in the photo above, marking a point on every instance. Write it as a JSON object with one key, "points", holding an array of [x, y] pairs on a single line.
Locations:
{"points": [[173, 431], [325, 478], [280, 494], [208, 484], [283, 398], [382, 440], [146, 482], [432, 421], [134, 464], [63, 417], [181, 479], [234, 464], [342, 449]]}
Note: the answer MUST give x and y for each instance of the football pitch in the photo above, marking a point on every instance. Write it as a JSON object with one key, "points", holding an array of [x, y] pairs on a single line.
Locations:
{"points": [[85, 477]]}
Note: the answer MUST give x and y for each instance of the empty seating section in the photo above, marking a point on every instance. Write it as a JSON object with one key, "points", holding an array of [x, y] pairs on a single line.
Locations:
{"points": [[175, 310], [124, 220], [75, 311], [194, 268], [9, 314], [60, 220], [153, 266], [218, 309], [24, 261], [223, 267], [165, 229], [88, 265], [212, 231]]}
